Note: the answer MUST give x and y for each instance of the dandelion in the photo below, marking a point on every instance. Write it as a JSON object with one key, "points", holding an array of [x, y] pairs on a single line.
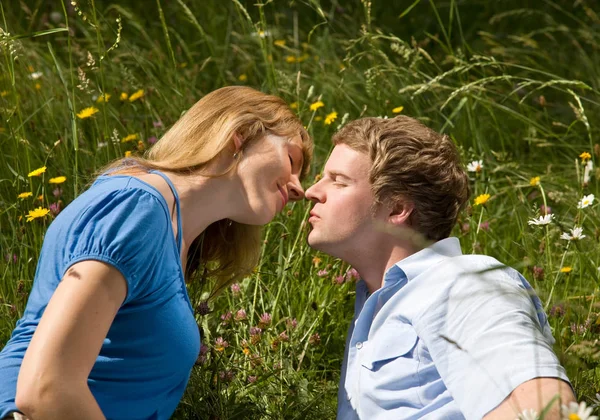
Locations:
{"points": [[586, 201], [331, 118], [87, 112], [220, 344], [585, 156], [57, 180], [128, 153], [535, 181], [398, 109], [136, 95], [103, 98], [37, 172], [575, 235], [316, 105], [294, 105], [566, 269], [528, 414], [129, 137], [543, 220], [242, 77], [279, 43], [575, 411], [475, 166], [37, 213], [480, 200], [24, 195]]}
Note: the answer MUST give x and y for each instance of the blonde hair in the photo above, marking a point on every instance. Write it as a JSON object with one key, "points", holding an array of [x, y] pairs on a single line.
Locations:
{"points": [[227, 250], [412, 162]]}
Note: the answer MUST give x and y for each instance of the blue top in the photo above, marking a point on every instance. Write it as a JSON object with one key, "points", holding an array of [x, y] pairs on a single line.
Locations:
{"points": [[146, 358], [448, 336]]}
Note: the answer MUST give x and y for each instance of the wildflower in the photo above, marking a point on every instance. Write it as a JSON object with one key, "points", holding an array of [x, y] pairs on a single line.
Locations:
{"points": [[246, 351], [240, 315], [475, 166], [398, 109], [55, 208], [322, 273], [242, 77], [221, 344], [128, 153], [57, 180], [538, 273], [316, 105], [264, 320], [226, 318], [10, 257], [157, 124], [331, 118], [294, 105], [290, 59], [596, 401], [3, 93], [279, 42], [283, 336], [38, 86], [339, 280], [251, 379], [545, 210], [484, 225], [136, 95], [480, 200], [37, 172], [315, 339], [87, 112], [586, 201], [291, 323], [352, 274], [575, 235], [103, 98], [35, 75], [255, 331], [318, 118], [585, 156], [543, 220], [316, 261], [528, 414], [57, 192], [535, 181], [25, 195], [129, 137], [557, 310], [123, 96], [587, 170], [235, 289], [203, 308], [37, 213], [566, 269]]}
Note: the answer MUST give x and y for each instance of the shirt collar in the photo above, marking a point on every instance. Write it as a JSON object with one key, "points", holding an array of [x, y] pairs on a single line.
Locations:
{"points": [[413, 265]]}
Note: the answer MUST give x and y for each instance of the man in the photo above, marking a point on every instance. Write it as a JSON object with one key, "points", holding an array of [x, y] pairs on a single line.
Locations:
{"points": [[436, 334]]}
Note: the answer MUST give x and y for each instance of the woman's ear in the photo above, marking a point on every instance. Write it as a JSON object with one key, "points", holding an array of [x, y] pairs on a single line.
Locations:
{"points": [[400, 213], [238, 141]]}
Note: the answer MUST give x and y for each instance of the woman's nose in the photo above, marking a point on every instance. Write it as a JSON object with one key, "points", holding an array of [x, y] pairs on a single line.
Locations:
{"points": [[295, 190]]}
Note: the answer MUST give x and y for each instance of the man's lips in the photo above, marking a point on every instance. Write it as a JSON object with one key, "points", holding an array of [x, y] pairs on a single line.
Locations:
{"points": [[313, 216]]}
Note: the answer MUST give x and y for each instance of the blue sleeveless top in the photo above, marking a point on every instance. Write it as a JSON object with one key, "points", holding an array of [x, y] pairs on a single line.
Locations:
{"points": [[146, 358]]}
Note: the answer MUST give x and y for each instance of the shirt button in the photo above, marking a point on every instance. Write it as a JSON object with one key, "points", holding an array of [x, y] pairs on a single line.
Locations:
{"points": [[359, 345]]}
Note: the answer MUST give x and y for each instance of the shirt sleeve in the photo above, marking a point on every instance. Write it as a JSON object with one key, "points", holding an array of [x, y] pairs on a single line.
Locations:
{"points": [[485, 335], [126, 228]]}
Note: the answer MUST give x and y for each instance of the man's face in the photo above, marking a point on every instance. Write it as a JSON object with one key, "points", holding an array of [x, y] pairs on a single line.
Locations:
{"points": [[342, 218]]}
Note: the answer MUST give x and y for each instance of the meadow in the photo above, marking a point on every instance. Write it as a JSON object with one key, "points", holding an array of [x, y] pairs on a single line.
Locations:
{"points": [[516, 84]]}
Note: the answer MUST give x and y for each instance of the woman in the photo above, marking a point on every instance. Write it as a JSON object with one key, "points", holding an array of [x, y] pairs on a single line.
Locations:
{"points": [[109, 331]]}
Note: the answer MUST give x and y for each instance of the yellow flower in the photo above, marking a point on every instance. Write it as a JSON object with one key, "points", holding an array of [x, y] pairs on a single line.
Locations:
{"points": [[3, 93], [37, 213], [316, 105], [482, 199], [398, 109], [183, 65], [242, 78], [330, 118], [246, 351], [290, 59], [316, 261], [40, 197], [318, 118], [57, 180], [566, 269], [535, 181], [130, 137], [302, 58], [123, 96], [25, 195], [87, 112], [294, 105], [103, 98], [38, 86], [128, 153], [136, 95], [279, 43], [37, 172], [585, 156]]}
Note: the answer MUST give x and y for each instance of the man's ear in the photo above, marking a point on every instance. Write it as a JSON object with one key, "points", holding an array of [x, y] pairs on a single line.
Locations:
{"points": [[400, 213]]}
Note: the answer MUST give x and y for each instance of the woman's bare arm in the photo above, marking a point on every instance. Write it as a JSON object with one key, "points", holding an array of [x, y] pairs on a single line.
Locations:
{"points": [[52, 381]]}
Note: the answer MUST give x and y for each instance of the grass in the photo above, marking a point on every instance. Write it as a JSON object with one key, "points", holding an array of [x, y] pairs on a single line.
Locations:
{"points": [[514, 83]]}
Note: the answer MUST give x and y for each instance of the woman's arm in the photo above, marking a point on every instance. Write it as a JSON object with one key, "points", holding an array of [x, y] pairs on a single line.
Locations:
{"points": [[52, 381]]}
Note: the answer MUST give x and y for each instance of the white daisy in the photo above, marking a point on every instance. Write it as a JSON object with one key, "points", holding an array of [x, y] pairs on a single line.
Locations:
{"points": [[528, 414], [586, 201], [475, 166], [577, 411], [543, 220], [35, 75], [587, 170], [575, 235]]}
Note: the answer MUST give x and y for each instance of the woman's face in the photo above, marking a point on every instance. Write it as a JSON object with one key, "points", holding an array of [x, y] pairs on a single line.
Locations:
{"points": [[269, 171]]}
